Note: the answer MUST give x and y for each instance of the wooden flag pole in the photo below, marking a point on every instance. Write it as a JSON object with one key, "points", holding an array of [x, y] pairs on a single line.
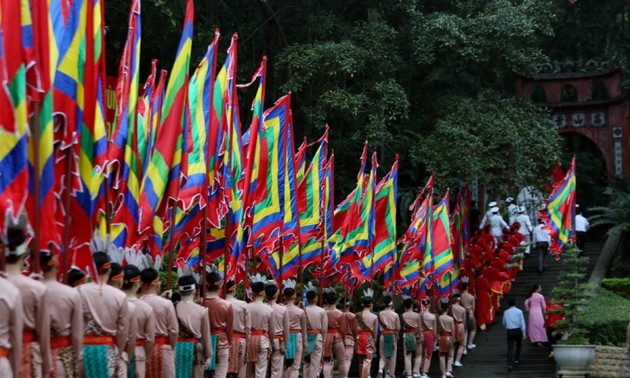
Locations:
{"points": [[66, 231], [36, 194], [281, 257], [169, 268], [226, 251], [202, 255]]}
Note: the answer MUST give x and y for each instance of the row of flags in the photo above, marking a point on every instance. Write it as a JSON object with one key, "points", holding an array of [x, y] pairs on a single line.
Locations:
{"points": [[176, 173]]}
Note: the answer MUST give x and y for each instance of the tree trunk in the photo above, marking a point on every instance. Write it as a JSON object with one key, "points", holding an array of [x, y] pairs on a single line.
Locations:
{"points": [[605, 258]]}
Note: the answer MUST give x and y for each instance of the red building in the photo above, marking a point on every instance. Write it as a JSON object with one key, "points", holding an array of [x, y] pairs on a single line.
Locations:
{"points": [[587, 99]]}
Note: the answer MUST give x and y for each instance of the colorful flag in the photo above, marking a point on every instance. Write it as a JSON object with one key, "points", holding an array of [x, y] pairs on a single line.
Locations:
{"points": [[559, 212], [268, 199], [382, 257], [169, 139], [300, 161], [443, 261], [200, 93], [13, 118]]}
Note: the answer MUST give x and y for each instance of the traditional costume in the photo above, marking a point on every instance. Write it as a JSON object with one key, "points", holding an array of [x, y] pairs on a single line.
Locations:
{"points": [[279, 324], [240, 330], [66, 327], [335, 335], [459, 318], [446, 330], [36, 356], [367, 326], [11, 326], [429, 333], [411, 324], [259, 323], [161, 363], [105, 322], [316, 329], [194, 345], [296, 321], [142, 328], [389, 323], [349, 340], [221, 325]]}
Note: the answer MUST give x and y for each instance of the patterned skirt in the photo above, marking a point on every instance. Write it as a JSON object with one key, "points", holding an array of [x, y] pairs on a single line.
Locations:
{"points": [[99, 360]]}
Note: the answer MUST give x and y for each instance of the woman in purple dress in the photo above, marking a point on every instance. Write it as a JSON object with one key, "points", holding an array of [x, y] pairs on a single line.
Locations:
{"points": [[535, 305]]}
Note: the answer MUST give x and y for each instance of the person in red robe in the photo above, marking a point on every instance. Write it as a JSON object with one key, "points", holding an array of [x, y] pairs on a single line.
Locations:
{"points": [[482, 289], [553, 314]]}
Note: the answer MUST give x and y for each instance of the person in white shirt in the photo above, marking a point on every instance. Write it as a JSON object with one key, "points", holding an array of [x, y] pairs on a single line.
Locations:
{"points": [[581, 226], [487, 215], [542, 239], [512, 209], [497, 224], [526, 226]]}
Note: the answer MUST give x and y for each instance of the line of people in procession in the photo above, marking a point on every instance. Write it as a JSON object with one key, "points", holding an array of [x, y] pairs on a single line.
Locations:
{"points": [[126, 328]]}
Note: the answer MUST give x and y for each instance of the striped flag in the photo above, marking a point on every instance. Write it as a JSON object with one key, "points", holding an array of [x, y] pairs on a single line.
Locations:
{"points": [[127, 91], [443, 261], [167, 154], [300, 161], [268, 199], [559, 212], [383, 256], [13, 118], [200, 94]]}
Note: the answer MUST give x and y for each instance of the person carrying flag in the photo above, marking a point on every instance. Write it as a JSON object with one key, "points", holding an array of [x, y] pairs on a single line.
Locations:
{"points": [[459, 317], [316, 331], [66, 320], [296, 336], [105, 314], [36, 356], [194, 345], [335, 335], [411, 324], [142, 330], [429, 333], [221, 323], [11, 326], [259, 323], [162, 361], [446, 329], [389, 324], [349, 341], [277, 334], [240, 332], [367, 328]]}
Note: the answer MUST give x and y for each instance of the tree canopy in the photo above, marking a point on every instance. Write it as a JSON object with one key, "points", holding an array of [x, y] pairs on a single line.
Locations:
{"points": [[431, 80]]}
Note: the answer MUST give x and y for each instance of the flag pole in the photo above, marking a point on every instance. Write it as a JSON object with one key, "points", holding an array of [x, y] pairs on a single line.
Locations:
{"points": [[66, 232], [36, 193], [169, 268], [202, 256], [281, 257], [226, 250]]}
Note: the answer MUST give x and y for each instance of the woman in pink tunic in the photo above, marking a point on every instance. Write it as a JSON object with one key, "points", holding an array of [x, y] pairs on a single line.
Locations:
{"points": [[536, 307]]}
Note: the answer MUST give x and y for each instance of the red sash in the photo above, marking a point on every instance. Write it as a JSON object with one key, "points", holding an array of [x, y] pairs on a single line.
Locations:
{"points": [[28, 336], [140, 342], [60, 342], [161, 340], [99, 340]]}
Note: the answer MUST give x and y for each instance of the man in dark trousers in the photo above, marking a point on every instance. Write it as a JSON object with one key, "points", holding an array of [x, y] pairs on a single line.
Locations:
{"points": [[514, 322]]}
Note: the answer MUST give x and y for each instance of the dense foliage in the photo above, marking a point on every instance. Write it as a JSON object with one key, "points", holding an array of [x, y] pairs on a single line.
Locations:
{"points": [[606, 319], [429, 79]]}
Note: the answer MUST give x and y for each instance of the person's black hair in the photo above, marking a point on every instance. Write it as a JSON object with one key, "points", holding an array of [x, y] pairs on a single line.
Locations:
{"points": [[331, 298], [408, 302], [387, 300], [270, 291], [44, 260], [533, 290], [366, 301], [464, 286], [288, 292], [258, 287], [425, 302], [230, 285], [511, 301], [444, 306], [311, 295], [100, 259], [116, 269], [15, 238], [149, 275], [186, 281], [74, 276], [213, 280], [129, 273]]}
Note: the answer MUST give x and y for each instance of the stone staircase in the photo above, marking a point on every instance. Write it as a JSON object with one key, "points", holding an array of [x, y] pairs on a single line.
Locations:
{"points": [[489, 359]]}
